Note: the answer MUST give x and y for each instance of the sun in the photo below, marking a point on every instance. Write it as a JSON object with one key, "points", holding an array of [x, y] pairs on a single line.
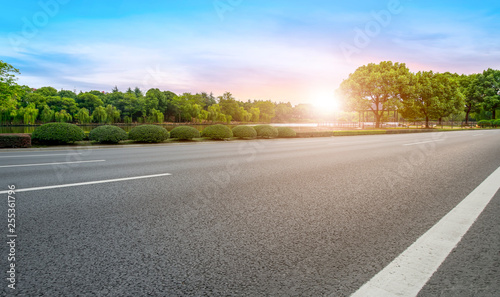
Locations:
{"points": [[325, 101]]}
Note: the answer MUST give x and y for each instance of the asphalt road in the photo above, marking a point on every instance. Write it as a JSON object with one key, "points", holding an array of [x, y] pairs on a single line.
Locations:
{"points": [[290, 217]]}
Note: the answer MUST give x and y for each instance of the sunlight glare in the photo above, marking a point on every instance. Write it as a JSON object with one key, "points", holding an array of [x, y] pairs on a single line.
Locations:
{"points": [[325, 101]]}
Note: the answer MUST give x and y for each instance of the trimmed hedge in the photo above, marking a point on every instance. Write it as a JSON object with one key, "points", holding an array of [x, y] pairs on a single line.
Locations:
{"points": [[285, 132], [217, 132], [148, 133], [484, 123], [496, 123], [58, 133], [266, 131], [15, 140], [244, 132], [108, 134], [184, 133]]}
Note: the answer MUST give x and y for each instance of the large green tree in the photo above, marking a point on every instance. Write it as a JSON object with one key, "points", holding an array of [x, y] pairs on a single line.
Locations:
{"points": [[377, 88], [489, 82], [470, 88], [9, 90]]}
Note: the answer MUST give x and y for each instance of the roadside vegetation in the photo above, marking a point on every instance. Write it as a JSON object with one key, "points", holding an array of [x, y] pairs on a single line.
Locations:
{"points": [[368, 94]]}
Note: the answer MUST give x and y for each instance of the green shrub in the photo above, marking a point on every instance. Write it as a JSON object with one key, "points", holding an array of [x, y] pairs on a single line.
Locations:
{"points": [[266, 131], [496, 123], [285, 132], [184, 133], [15, 140], [484, 123], [217, 132], [244, 132], [148, 133], [108, 134], [260, 127], [58, 133]]}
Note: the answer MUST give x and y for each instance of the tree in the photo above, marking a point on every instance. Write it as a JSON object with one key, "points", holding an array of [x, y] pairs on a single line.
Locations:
{"points": [[267, 111], [99, 115], [29, 114], [255, 112], [67, 94], [376, 87], [489, 83], [47, 91], [112, 114], [156, 99], [434, 95], [63, 116], [57, 104], [155, 116], [470, 88], [88, 101], [47, 114], [8, 88], [229, 106], [283, 111], [450, 100], [83, 116]]}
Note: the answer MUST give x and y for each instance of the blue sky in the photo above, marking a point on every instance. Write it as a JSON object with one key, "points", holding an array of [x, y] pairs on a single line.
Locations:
{"points": [[294, 51]]}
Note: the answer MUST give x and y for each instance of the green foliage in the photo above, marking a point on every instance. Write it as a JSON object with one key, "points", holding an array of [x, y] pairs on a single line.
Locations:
{"points": [[244, 132], [58, 133], [285, 132], [83, 116], [100, 115], [47, 115], [107, 134], [148, 133], [63, 116], [484, 123], [496, 123], [217, 132], [184, 133], [155, 116], [376, 87], [15, 140], [268, 132]]}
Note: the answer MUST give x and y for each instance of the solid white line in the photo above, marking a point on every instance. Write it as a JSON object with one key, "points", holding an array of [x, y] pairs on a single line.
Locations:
{"points": [[49, 155], [87, 183], [47, 164], [422, 142], [410, 271]]}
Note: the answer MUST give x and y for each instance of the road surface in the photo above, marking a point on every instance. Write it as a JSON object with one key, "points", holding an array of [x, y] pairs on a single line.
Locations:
{"points": [[285, 217]]}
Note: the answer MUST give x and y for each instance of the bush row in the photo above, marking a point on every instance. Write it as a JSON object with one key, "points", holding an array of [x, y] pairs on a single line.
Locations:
{"points": [[489, 123], [63, 133], [15, 140]]}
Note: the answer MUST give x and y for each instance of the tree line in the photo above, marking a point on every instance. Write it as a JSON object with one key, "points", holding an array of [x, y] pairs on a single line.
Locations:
{"points": [[424, 95], [24, 105]]}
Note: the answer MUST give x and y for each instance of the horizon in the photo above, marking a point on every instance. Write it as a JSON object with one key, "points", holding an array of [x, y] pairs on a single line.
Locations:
{"points": [[283, 51]]}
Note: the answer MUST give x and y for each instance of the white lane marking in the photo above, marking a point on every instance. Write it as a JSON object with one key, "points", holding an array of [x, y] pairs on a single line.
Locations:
{"points": [[87, 183], [47, 164], [46, 155], [422, 142], [410, 271]]}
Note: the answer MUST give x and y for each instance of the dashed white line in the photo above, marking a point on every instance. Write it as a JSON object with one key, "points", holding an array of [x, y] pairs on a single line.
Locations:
{"points": [[422, 142], [410, 271], [87, 183], [48, 164], [46, 155]]}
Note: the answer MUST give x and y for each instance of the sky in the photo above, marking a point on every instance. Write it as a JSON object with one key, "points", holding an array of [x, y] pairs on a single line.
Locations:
{"points": [[286, 51]]}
